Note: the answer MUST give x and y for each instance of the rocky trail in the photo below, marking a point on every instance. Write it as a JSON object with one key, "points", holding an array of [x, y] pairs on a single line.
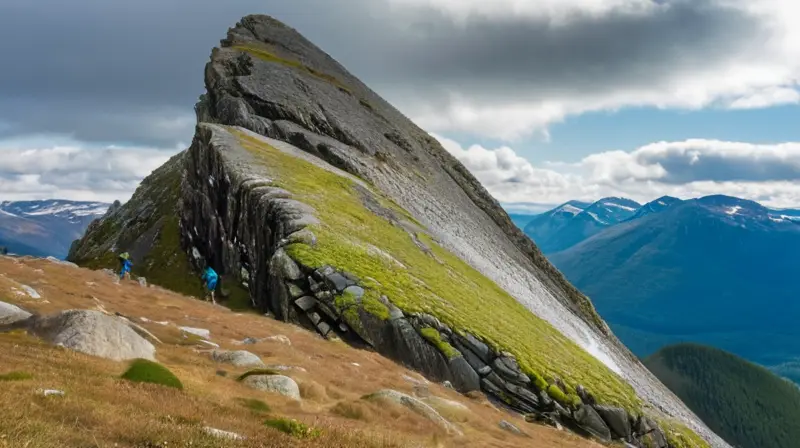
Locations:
{"points": [[60, 377]]}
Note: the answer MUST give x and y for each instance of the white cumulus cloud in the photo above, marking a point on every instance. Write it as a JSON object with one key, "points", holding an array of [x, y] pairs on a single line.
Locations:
{"points": [[765, 173]]}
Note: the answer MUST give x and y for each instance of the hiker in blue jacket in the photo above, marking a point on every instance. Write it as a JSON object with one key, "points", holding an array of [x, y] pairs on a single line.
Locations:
{"points": [[210, 279], [125, 270]]}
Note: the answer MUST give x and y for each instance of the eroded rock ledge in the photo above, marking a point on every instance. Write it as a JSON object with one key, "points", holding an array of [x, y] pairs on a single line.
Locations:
{"points": [[233, 215]]}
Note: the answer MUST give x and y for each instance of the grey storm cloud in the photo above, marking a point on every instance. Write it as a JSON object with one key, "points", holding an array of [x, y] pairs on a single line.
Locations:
{"points": [[131, 71]]}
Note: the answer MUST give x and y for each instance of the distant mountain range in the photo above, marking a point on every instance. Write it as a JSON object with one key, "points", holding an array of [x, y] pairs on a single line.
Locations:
{"points": [[573, 222], [744, 403], [717, 270], [45, 228]]}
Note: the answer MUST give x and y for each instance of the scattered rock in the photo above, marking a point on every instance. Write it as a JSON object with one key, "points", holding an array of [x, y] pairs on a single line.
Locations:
{"points": [[507, 367], [476, 346], [142, 282], [279, 338], [510, 427], [444, 403], [52, 392], [338, 281], [203, 333], [417, 406], [239, 358], [93, 333], [356, 292], [306, 303], [247, 341], [31, 292], [448, 385], [220, 434], [209, 343], [11, 313], [278, 384]]}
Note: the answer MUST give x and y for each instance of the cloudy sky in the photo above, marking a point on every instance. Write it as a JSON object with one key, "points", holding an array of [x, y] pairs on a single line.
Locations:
{"points": [[544, 101]]}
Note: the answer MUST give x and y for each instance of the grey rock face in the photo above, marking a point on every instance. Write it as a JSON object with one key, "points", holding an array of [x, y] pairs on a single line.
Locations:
{"points": [[616, 419], [278, 384], [417, 406], [11, 313], [239, 358], [93, 333], [588, 419], [508, 368]]}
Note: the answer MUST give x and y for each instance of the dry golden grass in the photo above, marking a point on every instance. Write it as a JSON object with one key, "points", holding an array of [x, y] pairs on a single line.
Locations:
{"points": [[101, 410]]}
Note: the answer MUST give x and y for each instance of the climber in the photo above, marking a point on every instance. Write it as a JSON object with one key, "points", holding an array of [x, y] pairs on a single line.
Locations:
{"points": [[125, 269], [210, 278]]}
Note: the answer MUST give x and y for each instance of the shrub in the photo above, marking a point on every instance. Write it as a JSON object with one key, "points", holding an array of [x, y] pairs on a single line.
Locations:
{"points": [[15, 376], [352, 410], [293, 427], [144, 371], [254, 405], [255, 372]]}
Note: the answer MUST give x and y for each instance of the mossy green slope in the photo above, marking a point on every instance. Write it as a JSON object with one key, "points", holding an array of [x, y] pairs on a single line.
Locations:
{"points": [[147, 227], [433, 281], [744, 403]]}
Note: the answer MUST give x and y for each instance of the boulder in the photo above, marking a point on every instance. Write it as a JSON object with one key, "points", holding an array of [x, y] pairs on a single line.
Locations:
{"points": [[239, 358], [589, 420], [616, 419], [11, 313], [472, 359], [416, 406], [93, 333], [306, 303], [278, 384], [465, 378], [279, 338]]}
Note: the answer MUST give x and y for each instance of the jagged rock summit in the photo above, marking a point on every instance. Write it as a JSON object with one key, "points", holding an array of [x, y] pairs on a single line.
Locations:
{"points": [[321, 204]]}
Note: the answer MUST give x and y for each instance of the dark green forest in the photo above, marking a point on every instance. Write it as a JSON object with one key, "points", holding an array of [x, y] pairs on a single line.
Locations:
{"points": [[746, 404]]}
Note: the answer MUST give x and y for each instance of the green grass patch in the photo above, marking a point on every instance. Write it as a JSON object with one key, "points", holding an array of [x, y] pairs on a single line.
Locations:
{"points": [[144, 371], [15, 376], [254, 405], [679, 436], [536, 379], [433, 336], [563, 399], [293, 427], [439, 284], [372, 304], [266, 55], [256, 372]]}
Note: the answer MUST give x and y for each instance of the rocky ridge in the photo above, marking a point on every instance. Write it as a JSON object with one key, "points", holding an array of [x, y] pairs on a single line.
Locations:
{"points": [[290, 100]]}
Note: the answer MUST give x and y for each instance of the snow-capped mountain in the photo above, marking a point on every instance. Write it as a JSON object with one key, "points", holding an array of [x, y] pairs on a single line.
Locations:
{"points": [[655, 206], [574, 221], [45, 228], [659, 278]]}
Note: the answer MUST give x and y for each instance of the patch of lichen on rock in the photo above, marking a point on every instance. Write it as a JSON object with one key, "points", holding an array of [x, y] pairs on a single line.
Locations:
{"points": [[434, 337], [435, 282], [262, 52]]}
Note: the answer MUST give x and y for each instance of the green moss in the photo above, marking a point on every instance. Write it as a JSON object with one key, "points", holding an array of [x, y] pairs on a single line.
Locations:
{"points": [[372, 304], [293, 427], [144, 371], [257, 372], [679, 436], [438, 283], [536, 379], [569, 400], [15, 376], [433, 336], [266, 55], [254, 405]]}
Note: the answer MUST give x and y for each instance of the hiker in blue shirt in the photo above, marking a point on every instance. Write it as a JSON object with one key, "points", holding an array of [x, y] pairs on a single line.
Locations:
{"points": [[125, 270], [210, 279]]}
